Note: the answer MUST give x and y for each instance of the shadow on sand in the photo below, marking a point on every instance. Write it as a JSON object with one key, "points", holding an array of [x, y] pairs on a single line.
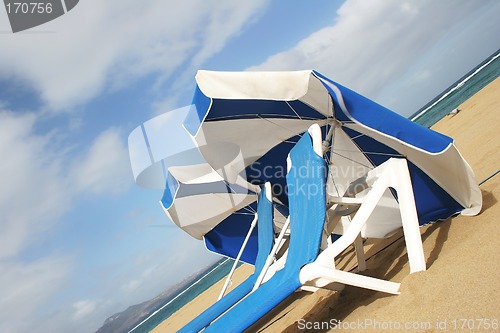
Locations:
{"points": [[382, 263]]}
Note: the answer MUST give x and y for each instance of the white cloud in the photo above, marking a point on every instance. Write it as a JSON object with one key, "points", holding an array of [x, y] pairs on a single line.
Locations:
{"points": [[38, 188], [374, 44], [105, 168], [151, 272], [110, 43], [34, 194], [83, 308], [136, 282], [26, 288]]}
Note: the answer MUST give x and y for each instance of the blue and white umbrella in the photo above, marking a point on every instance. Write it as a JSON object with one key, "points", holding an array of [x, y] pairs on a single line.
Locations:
{"points": [[195, 196], [264, 113]]}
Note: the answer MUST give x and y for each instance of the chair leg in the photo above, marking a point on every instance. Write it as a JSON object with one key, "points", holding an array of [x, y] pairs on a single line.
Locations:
{"points": [[352, 279], [360, 253], [408, 210], [314, 286]]}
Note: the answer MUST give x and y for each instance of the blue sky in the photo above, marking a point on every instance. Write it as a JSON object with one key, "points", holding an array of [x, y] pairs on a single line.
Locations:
{"points": [[79, 240]]}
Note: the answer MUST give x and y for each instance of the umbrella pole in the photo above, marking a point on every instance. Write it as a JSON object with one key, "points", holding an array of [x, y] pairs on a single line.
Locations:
{"points": [[252, 226], [328, 138]]}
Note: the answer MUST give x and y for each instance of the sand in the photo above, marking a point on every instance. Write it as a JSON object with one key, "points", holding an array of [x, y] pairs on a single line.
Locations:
{"points": [[460, 291]]}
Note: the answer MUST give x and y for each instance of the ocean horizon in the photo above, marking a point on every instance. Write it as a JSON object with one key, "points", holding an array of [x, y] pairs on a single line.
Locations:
{"points": [[428, 115], [210, 275], [463, 89]]}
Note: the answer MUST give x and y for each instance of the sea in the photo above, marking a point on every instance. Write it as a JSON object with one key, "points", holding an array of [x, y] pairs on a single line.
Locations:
{"points": [[459, 92], [428, 115], [205, 280]]}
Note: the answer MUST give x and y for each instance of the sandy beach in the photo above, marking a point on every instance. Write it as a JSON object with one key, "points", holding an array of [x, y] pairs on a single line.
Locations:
{"points": [[460, 291]]}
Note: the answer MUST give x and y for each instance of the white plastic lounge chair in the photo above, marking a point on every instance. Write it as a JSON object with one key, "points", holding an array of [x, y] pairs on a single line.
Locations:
{"points": [[307, 203], [391, 174]]}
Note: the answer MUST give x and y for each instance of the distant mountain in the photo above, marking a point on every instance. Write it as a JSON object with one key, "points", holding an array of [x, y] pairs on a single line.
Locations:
{"points": [[124, 321]]}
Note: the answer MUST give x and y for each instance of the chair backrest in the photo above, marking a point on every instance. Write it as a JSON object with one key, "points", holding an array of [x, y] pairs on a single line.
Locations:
{"points": [[306, 181]]}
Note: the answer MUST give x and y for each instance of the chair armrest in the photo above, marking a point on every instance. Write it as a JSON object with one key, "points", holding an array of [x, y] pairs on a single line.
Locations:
{"points": [[344, 201]]}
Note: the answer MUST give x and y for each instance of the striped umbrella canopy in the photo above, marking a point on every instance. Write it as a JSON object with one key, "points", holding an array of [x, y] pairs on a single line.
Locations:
{"points": [[265, 113]]}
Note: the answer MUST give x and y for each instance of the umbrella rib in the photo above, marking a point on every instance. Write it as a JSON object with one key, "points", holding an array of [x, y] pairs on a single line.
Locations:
{"points": [[357, 136], [251, 116], [367, 152], [291, 107], [367, 157], [350, 159], [228, 185], [334, 183], [249, 209], [280, 126], [383, 154], [241, 213], [328, 161]]}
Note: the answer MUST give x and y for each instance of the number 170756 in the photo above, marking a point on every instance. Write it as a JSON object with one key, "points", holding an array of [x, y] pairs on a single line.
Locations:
{"points": [[29, 8]]}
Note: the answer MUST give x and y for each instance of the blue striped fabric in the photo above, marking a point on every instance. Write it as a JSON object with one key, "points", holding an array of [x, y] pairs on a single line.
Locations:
{"points": [[375, 116]]}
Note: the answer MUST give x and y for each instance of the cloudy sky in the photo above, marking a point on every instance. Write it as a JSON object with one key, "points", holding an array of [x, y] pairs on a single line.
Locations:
{"points": [[79, 240]]}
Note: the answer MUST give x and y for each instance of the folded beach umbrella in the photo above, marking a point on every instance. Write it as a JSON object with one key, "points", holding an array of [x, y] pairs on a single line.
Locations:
{"points": [[265, 113], [195, 196], [197, 203]]}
